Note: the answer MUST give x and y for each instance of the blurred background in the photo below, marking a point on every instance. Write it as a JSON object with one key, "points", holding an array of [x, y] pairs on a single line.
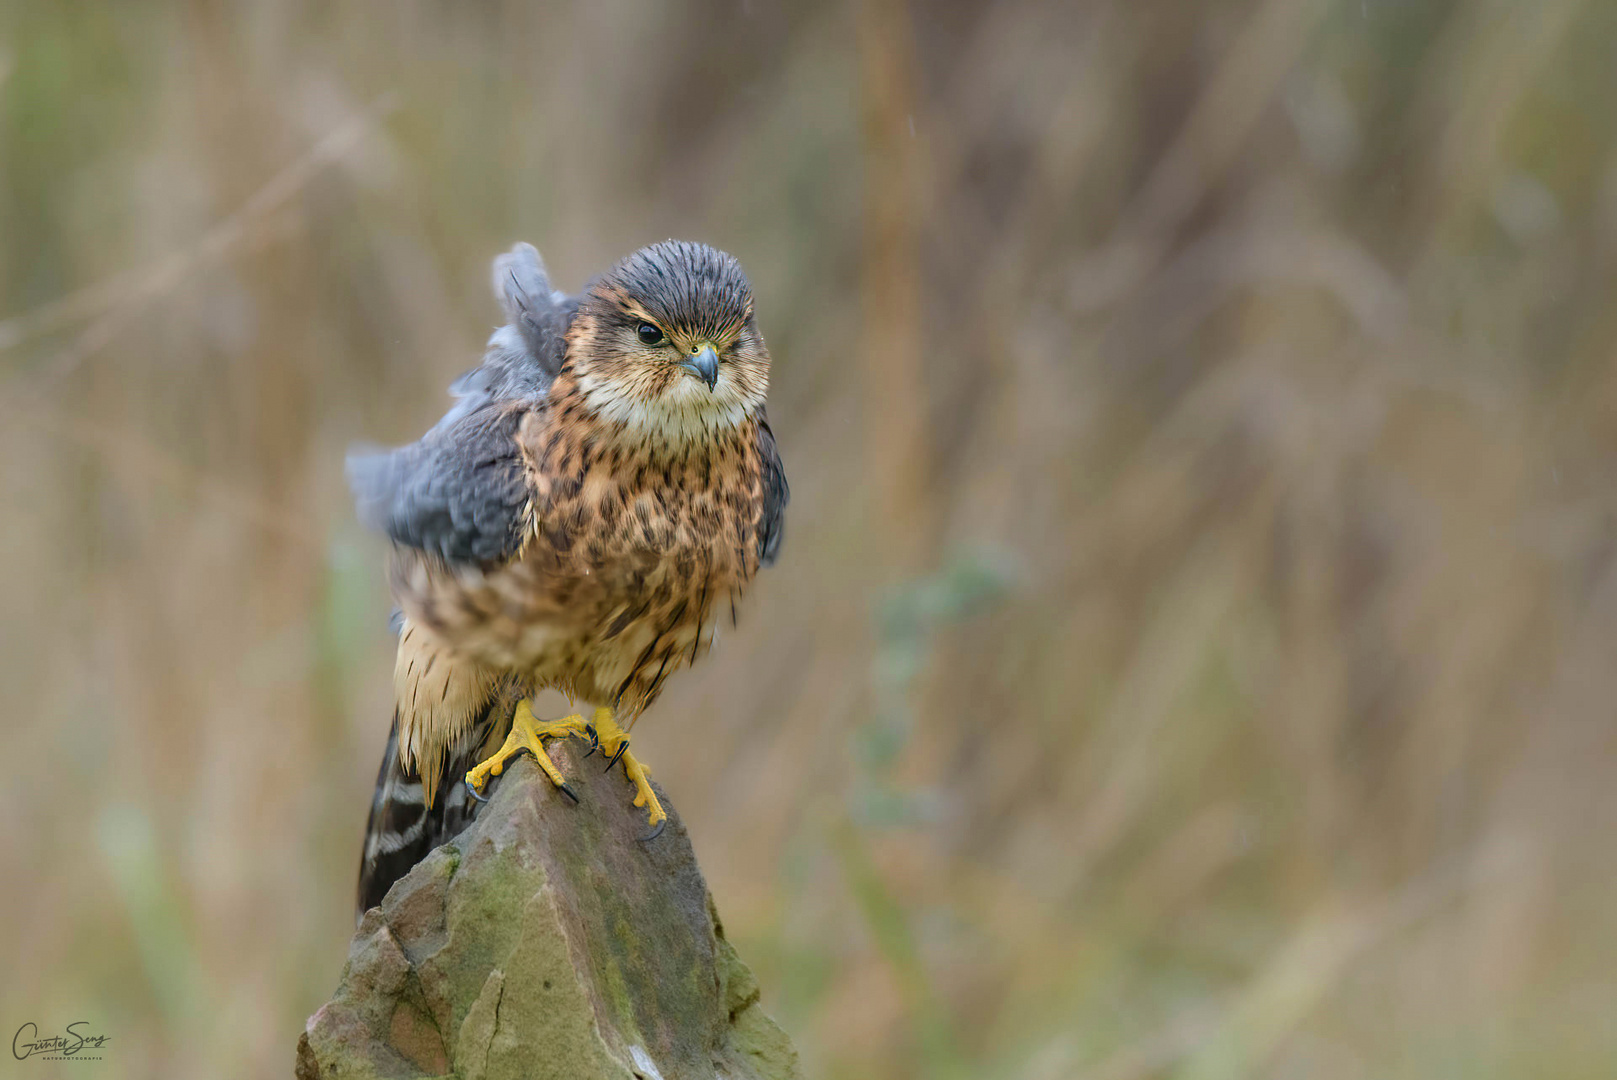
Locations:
{"points": [[1195, 646]]}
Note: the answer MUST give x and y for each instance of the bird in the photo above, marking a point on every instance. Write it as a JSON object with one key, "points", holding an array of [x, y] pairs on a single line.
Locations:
{"points": [[600, 494]]}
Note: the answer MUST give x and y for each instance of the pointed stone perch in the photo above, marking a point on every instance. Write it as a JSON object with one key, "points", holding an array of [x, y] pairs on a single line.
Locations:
{"points": [[547, 941]]}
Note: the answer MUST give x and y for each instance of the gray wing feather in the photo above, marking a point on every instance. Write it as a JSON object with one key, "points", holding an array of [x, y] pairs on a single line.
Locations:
{"points": [[537, 313], [523, 356], [461, 491], [772, 521]]}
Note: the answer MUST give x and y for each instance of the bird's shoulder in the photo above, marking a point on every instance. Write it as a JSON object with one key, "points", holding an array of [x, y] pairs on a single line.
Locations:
{"points": [[462, 491]]}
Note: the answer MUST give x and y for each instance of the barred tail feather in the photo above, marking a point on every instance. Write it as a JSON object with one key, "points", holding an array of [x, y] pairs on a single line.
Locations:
{"points": [[402, 827]]}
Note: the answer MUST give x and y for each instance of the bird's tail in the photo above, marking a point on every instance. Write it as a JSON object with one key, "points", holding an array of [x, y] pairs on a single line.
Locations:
{"points": [[402, 827]]}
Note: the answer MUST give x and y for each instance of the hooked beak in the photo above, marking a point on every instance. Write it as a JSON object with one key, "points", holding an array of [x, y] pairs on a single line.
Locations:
{"points": [[704, 364]]}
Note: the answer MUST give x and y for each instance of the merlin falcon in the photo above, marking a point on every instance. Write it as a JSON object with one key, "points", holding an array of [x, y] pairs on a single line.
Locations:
{"points": [[600, 494]]}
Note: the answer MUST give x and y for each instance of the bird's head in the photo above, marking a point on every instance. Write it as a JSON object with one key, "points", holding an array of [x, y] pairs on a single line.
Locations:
{"points": [[665, 344]]}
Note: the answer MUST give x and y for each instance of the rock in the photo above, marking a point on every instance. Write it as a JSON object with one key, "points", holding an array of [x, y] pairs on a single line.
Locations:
{"points": [[548, 941]]}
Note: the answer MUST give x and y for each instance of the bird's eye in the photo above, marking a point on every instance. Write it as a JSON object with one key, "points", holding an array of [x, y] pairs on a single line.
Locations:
{"points": [[650, 334]]}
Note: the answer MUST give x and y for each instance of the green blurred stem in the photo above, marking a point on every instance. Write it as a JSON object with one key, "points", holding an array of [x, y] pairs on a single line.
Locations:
{"points": [[941, 1058]]}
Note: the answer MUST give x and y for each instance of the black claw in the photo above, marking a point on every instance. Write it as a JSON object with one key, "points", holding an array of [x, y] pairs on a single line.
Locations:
{"points": [[569, 792], [595, 740], [658, 831], [472, 791], [623, 748]]}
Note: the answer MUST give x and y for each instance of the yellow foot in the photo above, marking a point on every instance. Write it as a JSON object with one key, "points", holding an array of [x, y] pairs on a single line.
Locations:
{"points": [[614, 743], [528, 733]]}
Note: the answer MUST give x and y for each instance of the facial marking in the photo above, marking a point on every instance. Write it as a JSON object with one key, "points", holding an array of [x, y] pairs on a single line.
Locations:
{"points": [[695, 297]]}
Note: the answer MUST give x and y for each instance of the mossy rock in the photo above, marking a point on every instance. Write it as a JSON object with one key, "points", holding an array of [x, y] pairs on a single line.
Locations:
{"points": [[547, 941]]}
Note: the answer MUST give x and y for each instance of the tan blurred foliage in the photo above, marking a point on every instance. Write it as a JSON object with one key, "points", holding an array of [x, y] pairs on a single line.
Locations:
{"points": [[1195, 647]]}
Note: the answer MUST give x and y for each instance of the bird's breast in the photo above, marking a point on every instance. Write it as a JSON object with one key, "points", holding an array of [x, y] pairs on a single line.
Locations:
{"points": [[629, 563]]}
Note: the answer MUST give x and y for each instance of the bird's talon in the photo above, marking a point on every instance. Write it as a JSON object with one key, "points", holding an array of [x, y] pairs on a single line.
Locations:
{"points": [[567, 790], [471, 789], [654, 833], [527, 736], [614, 743]]}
